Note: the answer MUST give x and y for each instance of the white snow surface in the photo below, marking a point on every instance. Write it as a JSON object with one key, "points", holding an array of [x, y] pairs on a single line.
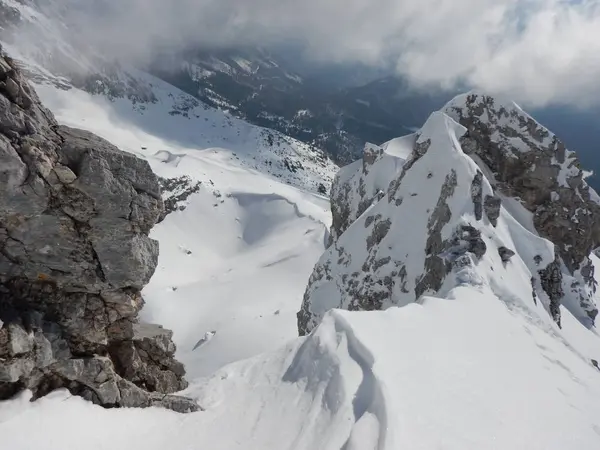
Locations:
{"points": [[458, 373], [482, 368], [236, 260]]}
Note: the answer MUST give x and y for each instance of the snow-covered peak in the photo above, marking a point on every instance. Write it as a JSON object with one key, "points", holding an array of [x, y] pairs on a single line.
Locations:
{"points": [[516, 130], [439, 225], [527, 162], [470, 205]]}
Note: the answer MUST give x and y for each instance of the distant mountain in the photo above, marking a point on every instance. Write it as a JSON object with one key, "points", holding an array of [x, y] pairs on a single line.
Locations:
{"points": [[333, 107]]}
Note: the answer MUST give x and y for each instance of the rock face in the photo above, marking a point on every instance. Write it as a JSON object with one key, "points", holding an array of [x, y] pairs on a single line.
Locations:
{"points": [[528, 162], [75, 213], [357, 186], [437, 220]]}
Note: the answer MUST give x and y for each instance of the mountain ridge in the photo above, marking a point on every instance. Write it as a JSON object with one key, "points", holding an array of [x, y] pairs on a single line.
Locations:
{"points": [[479, 153]]}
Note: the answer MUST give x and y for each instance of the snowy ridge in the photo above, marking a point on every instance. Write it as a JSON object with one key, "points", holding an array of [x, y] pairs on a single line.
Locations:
{"points": [[178, 123], [484, 367], [360, 381], [545, 186], [428, 225], [472, 359]]}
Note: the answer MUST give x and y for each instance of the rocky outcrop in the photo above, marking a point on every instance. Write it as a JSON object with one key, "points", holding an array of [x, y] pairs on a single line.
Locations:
{"points": [[361, 184], [441, 222], [422, 238], [529, 163], [75, 213], [175, 193]]}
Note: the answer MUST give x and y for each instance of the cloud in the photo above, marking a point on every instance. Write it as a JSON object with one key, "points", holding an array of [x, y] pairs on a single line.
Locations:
{"points": [[539, 51]]}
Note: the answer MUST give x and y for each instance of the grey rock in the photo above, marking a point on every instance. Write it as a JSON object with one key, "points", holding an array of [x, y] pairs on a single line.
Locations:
{"points": [[75, 213], [505, 254], [96, 373], [177, 403], [354, 191], [436, 267], [531, 164], [134, 397], [551, 279], [466, 239], [44, 355], [64, 174], [477, 195], [148, 359], [12, 88], [20, 341], [14, 370], [492, 206]]}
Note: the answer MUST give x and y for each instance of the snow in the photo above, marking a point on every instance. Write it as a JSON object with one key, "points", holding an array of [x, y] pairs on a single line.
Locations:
{"points": [[400, 147], [447, 378], [481, 366], [244, 64], [181, 124], [236, 260]]}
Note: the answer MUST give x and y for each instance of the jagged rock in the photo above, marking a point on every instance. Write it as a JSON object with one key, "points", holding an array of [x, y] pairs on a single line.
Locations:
{"points": [[530, 163], [429, 236], [148, 359], [477, 195], [551, 279], [358, 186], [134, 397], [467, 239], [492, 206], [175, 193], [505, 254], [436, 268], [177, 403], [75, 213]]}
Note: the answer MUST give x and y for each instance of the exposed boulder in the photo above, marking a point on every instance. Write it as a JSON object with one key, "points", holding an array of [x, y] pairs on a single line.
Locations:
{"points": [[75, 213], [505, 254], [147, 359]]}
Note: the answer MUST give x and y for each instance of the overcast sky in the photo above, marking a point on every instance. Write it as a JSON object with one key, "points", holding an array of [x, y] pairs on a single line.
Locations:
{"points": [[539, 51]]}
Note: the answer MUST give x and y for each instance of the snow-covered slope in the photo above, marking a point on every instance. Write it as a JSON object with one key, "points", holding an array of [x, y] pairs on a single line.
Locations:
{"points": [[177, 122], [482, 365], [485, 367], [459, 373], [234, 262], [429, 223]]}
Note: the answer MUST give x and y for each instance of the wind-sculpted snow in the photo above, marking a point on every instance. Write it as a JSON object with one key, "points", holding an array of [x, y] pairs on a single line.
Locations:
{"points": [[462, 373]]}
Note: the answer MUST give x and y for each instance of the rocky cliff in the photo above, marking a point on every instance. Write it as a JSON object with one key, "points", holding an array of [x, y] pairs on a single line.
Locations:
{"points": [[482, 194], [75, 213]]}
